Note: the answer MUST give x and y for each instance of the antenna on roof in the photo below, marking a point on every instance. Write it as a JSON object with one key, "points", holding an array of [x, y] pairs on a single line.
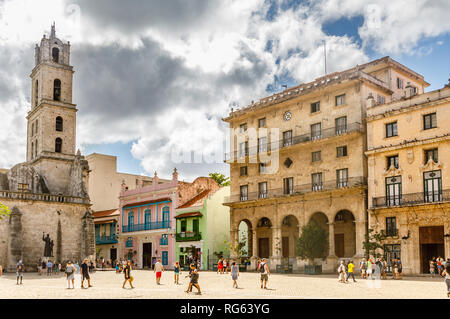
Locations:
{"points": [[325, 55]]}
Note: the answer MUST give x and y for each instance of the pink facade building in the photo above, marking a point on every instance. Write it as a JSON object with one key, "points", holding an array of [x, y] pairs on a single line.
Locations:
{"points": [[147, 222]]}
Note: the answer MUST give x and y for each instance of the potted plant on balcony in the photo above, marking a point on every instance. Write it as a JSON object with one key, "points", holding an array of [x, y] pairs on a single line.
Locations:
{"points": [[312, 243]]}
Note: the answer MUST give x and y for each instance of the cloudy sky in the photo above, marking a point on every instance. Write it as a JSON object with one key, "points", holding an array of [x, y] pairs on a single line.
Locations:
{"points": [[154, 78]]}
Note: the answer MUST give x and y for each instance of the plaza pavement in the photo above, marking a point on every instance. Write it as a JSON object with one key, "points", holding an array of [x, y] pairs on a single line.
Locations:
{"points": [[108, 284]]}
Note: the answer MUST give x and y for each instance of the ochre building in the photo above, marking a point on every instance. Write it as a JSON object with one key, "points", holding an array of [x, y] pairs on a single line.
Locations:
{"points": [[409, 181], [299, 156]]}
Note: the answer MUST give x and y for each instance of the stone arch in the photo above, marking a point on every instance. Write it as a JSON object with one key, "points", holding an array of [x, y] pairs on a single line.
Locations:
{"points": [[344, 233], [55, 55], [289, 236], [245, 233], [59, 124], [264, 237], [58, 145], [321, 219]]}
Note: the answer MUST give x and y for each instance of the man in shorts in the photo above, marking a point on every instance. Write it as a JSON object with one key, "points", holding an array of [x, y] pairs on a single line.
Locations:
{"points": [[265, 272], [159, 268], [85, 273]]}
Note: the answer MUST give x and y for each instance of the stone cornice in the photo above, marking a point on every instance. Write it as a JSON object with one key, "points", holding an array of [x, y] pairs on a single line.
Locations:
{"points": [[406, 144], [54, 104]]}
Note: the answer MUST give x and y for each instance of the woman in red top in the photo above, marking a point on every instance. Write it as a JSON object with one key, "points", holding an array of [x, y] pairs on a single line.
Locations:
{"points": [[220, 266]]}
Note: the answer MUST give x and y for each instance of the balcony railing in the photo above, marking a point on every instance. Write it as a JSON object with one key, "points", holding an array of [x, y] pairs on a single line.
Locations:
{"points": [[188, 236], [146, 226], [390, 232], [43, 197], [287, 142], [300, 189], [411, 199], [109, 239]]}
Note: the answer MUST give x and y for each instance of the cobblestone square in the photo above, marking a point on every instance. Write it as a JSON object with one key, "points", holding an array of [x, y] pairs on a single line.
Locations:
{"points": [[108, 285]]}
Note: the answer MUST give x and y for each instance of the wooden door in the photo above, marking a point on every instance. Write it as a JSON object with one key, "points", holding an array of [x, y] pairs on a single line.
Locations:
{"points": [[263, 247], [285, 246], [339, 245]]}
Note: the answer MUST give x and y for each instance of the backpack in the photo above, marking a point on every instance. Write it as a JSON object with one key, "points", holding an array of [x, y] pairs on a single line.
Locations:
{"points": [[262, 268], [69, 272]]}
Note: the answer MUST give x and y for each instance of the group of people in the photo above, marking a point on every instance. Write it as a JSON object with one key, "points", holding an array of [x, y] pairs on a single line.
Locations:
{"points": [[82, 270], [437, 265], [223, 265], [49, 268], [377, 268]]}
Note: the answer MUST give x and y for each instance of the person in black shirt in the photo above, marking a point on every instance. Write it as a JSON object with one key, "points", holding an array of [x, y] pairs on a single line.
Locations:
{"points": [[85, 273], [193, 273], [128, 277]]}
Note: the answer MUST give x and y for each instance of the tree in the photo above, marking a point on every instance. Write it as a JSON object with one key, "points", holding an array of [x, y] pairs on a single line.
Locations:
{"points": [[372, 242], [313, 242], [221, 179], [4, 211]]}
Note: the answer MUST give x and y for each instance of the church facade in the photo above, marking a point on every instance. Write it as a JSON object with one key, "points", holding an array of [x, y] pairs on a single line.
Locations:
{"points": [[48, 195]]}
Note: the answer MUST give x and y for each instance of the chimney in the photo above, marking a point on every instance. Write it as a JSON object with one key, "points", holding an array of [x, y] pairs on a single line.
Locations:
{"points": [[370, 100], [155, 179]]}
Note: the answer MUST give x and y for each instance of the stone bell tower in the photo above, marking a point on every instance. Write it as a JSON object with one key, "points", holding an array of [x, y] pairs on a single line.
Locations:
{"points": [[52, 119], [51, 131]]}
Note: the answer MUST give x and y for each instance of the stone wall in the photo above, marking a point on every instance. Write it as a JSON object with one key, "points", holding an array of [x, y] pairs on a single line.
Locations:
{"points": [[43, 217]]}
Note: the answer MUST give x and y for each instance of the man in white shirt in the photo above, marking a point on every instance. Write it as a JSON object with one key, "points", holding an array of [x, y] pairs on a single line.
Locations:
{"points": [[159, 268]]}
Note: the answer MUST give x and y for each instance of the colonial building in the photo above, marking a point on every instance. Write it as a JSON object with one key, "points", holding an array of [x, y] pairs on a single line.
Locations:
{"points": [[409, 178], [147, 221], [106, 234], [47, 193], [203, 227], [299, 156]]}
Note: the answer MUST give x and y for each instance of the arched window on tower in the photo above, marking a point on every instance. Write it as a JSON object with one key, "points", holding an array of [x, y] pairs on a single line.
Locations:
{"points": [[57, 90], [55, 55], [36, 93], [58, 145], [36, 149], [59, 124], [32, 150]]}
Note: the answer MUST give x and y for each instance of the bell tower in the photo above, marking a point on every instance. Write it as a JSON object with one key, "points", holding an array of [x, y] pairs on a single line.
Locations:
{"points": [[51, 131]]}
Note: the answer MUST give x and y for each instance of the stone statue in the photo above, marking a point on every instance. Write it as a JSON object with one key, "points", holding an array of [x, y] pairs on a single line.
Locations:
{"points": [[51, 248], [48, 245]]}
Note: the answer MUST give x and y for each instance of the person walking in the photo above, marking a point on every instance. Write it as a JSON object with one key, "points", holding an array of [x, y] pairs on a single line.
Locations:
{"points": [[383, 268], [265, 273], [159, 268], [176, 272], [234, 274], [369, 269], [49, 267], [70, 274], [85, 274], [225, 266], [446, 275], [350, 268], [19, 268], [220, 266], [363, 268], [1, 271], [127, 274], [341, 272], [194, 275], [439, 264], [432, 267], [400, 268]]}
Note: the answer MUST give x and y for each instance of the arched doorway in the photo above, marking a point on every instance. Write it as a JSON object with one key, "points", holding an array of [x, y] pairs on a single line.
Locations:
{"points": [[344, 234], [322, 220], [289, 236], [264, 237], [245, 235]]}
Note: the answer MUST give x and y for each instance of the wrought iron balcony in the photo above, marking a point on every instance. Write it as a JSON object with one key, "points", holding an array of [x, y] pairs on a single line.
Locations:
{"points": [[390, 232], [287, 142], [145, 226], [188, 236], [299, 189], [106, 239], [411, 199]]}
